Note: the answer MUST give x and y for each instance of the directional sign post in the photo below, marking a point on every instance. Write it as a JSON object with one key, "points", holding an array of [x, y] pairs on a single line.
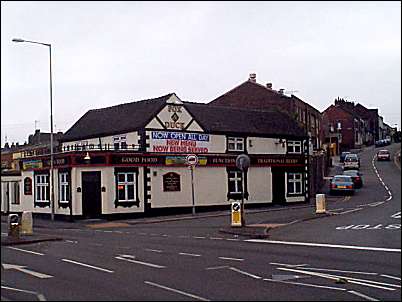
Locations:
{"points": [[191, 161], [242, 163], [236, 214]]}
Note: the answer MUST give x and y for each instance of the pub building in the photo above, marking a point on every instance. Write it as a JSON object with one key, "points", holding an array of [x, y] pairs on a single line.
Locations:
{"points": [[131, 158]]}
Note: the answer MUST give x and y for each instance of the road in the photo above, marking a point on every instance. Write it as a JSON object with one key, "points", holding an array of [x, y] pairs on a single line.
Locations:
{"points": [[353, 255]]}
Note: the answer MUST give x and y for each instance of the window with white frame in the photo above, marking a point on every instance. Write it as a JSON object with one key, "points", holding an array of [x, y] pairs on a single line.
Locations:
{"points": [[295, 183], [235, 143], [120, 142], [64, 192], [294, 147], [126, 187], [235, 182], [42, 187]]}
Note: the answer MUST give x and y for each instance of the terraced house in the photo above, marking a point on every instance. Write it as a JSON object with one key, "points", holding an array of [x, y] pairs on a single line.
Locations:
{"points": [[130, 158]]}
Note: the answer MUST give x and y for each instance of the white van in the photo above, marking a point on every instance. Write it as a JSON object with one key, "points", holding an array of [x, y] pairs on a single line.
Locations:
{"points": [[352, 161]]}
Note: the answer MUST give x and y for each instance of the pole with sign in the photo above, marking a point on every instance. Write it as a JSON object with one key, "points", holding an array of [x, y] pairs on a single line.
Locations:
{"points": [[236, 214], [242, 163], [191, 161]]}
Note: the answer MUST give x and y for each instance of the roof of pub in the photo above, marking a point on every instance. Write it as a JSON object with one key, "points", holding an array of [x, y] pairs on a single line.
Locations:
{"points": [[133, 116]]}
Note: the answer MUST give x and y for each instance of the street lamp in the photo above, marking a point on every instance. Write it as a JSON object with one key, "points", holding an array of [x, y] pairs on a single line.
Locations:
{"points": [[51, 121]]}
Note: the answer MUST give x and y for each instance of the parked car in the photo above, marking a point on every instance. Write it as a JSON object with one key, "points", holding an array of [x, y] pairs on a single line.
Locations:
{"points": [[356, 177], [383, 155], [352, 161], [342, 184], [343, 155]]}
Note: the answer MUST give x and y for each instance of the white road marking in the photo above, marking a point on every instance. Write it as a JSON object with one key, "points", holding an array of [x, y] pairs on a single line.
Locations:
{"points": [[71, 241], [244, 273], [140, 262], [188, 254], [155, 251], [377, 203], [176, 291], [39, 296], [26, 251], [232, 239], [353, 247], [364, 282], [396, 215], [216, 238], [288, 265], [391, 277], [199, 237], [26, 271], [362, 295], [228, 258], [306, 284], [217, 267], [143, 234], [350, 211], [87, 265], [339, 271]]}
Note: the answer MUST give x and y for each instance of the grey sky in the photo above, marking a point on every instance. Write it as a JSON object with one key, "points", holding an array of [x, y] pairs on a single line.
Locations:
{"points": [[107, 53]]}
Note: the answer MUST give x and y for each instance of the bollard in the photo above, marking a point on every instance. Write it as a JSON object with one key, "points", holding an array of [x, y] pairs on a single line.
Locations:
{"points": [[13, 226], [26, 223], [320, 203]]}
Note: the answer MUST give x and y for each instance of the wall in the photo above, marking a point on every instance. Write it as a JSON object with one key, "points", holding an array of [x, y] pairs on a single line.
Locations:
{"points": [[260, 145]]}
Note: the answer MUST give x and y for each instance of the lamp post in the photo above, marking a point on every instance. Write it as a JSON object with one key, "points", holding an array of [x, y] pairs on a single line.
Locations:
{"points": [[51, 121]]}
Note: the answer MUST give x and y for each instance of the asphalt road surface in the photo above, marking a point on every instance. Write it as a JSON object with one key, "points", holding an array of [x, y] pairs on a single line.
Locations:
{"points": [[352, 255]]}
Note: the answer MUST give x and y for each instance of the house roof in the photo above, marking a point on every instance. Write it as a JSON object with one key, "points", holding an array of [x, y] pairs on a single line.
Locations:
{"points": [[213, 119], [116, 119]]}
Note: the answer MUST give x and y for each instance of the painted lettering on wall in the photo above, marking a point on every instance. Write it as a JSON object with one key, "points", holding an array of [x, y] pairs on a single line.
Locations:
{"points": [[179, 142]]}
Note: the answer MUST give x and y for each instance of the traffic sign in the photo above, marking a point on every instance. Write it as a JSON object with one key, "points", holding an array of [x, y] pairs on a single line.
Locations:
{"points": [[191, 159], [242, 162], [236, 214]]}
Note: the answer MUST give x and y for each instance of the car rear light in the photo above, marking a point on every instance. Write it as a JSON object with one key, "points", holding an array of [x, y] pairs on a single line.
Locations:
{"points": [[349, 187], [357, 178], [333, 186]]}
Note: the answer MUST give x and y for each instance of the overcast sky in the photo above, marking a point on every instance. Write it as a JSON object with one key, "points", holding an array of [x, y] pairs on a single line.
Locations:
{"points": [[107, 53]]}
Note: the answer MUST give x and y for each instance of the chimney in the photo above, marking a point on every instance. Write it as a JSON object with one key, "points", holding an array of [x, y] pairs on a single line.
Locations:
{"points": [[281, 91], [269, 85], [253, 77]]}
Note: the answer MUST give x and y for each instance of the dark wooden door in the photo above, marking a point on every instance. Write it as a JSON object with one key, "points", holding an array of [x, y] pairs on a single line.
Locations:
{"points": [[91, 194], [278, 185]]}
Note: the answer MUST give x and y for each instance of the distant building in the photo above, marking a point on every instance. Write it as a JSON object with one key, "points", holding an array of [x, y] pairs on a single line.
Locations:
{"points": [[253, 95]]}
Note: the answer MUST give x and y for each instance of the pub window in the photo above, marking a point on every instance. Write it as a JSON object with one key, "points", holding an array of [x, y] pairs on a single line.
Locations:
{"points": [[42, 187], [126, 187], [294, 147], [64, 191], [235, 144], [120, 142], [295, 182], [16, 192]]}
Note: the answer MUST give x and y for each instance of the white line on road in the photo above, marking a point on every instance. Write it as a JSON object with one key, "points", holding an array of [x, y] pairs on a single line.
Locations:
{"points": [[367, 248], [350, 211], [232, 239], [244, 273], [391, 277], [228, 258], [26, 251], [140, 262], [87, 265], [377, 203], [338, 271], [23, 269], [188, 254], [306, 284], [199, 237], [155, 251], [362, 295], [176, 291], [216, 238], [288, 265], [39, 296], [364, 282]]}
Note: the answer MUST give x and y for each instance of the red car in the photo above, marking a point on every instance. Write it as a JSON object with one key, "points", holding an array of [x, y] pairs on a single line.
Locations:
{"points": [[383, 155]]}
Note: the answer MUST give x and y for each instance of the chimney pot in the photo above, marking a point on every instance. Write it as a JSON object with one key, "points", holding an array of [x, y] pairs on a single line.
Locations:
{"points": [[281, 91], [253, 77], [269, 85]]}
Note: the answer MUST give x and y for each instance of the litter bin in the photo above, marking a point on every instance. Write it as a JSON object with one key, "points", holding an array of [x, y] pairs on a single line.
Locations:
{"points": [[13, 225]]}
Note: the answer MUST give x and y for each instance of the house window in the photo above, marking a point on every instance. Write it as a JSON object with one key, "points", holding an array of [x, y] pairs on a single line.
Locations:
{"points": [[126, 187], [294, 147], [120, 142], [42, 187], [235, 182], [64, 192], [235, 144], [16, 192], [295, 183]]}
